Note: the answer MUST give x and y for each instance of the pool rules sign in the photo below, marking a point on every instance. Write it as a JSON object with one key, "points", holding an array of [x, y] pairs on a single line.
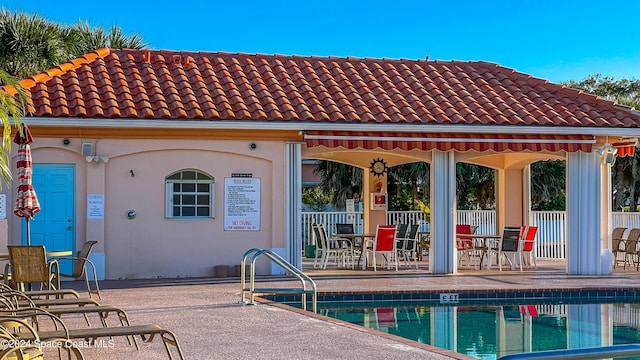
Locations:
{"points": [[241, 204]]}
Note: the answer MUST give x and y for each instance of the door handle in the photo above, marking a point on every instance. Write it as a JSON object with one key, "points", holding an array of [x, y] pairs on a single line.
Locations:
{"points": [[69, 227]]}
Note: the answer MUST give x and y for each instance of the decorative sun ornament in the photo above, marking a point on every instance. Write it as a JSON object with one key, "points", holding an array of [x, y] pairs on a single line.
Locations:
{"points": [[378, 167]]}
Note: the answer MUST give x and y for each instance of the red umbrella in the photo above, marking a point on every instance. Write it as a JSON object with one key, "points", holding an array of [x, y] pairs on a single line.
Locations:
{"points": [[26, 200]]}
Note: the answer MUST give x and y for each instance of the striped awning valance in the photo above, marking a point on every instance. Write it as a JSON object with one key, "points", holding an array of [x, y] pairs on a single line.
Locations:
{"points": [[448, 141]]}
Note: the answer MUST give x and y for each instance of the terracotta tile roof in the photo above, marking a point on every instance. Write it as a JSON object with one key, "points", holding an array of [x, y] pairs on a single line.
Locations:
{"points": [[147, 84]]}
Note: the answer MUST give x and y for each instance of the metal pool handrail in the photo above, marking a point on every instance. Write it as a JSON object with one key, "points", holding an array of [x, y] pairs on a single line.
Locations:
{"points": [[288, 267], [613, 351]]}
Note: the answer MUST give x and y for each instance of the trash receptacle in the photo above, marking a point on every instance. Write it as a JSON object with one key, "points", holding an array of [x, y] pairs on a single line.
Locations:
{"points": [[310, 251]]}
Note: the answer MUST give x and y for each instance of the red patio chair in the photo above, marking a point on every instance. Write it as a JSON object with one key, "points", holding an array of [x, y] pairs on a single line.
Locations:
{"points": [[464, 244], [384, 244], [528, 244]]}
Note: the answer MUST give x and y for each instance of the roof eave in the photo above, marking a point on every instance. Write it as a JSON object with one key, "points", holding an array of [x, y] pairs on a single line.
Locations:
{"points": [[288, 125]]}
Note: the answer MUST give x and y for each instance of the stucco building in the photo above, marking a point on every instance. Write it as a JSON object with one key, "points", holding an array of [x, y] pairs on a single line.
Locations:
{"points": [[179, 161]]}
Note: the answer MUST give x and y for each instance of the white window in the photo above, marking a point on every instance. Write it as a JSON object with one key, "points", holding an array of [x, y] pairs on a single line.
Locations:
{"points": [[190, 195]]}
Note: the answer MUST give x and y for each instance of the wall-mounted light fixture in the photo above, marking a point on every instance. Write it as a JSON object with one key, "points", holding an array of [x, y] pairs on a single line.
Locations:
{"points": [[608, 153], [132, 173], [87, 149], [97, 159]]}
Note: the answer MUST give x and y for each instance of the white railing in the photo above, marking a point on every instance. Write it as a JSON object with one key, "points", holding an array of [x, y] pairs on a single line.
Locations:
{"points": [[551, 236], [550, 239], [485, 220]]}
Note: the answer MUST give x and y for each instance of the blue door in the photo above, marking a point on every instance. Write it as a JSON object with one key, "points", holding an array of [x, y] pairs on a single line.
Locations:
{"points": [[54, 225]]}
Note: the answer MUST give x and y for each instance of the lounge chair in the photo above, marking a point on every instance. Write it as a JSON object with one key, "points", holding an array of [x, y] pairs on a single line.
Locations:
{"points": [[60, 331]]}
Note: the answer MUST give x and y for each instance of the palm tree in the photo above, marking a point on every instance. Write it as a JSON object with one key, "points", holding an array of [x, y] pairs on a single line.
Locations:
{"points": [[344, 181], [12, 105], [88, 39], [30, 44]]}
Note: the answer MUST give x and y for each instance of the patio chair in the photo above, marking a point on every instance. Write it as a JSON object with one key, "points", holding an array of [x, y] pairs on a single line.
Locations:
{"points": [[408, 246], [511, 237], [320, 246], [617, 244], [401, 231], [528, 243], [341, 249], [80, 263], [464, 244], [631, 248], [384, 244], [349, 229], [28, 265]]}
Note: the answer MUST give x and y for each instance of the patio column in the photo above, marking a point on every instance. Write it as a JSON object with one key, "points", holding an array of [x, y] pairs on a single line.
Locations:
{"points": [[509, 200], [588, 215], [442, 254], [371, 184], [293, 204]]}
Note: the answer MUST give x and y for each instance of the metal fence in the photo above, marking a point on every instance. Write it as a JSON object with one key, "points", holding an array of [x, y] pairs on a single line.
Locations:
{"points": [[550, 239]]}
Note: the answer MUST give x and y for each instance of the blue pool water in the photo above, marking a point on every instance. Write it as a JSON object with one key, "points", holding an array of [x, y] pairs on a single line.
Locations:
{"points": [[489, 329]]}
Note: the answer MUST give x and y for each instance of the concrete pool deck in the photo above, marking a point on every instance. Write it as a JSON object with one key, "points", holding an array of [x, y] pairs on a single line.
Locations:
{"points": [[211, 323]]}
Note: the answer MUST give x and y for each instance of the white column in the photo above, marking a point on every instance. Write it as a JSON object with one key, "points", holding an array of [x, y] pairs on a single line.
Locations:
{"points": [[587, 214], [442, 254], [293, 204]]}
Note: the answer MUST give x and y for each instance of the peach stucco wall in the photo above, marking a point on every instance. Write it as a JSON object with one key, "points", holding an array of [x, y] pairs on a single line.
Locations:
{"points": [[151, 245]]}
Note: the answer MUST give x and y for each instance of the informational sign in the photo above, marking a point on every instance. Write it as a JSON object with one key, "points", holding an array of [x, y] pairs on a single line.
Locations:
{"points": [[241, 204], [95, 206]]}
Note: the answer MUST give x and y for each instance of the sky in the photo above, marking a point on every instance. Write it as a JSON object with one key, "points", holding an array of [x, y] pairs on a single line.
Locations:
{"points": [[555, 40]]}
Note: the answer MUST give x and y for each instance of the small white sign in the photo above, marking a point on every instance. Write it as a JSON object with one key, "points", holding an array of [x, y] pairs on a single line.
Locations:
{"points": [[449, 298], [95, 206], [350, 205], [3, 206]]}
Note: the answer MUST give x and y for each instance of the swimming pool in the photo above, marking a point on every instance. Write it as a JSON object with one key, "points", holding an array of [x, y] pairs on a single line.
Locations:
{"points": [[489, 326]]}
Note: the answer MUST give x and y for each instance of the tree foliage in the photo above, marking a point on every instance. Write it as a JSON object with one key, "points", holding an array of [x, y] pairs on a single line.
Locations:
{"points": [[624, 91], [626, 171], [30, 44], [341, 180]]}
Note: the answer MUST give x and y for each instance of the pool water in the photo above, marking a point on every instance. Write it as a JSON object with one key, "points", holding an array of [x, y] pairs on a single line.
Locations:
{"points": [[489, 330]]}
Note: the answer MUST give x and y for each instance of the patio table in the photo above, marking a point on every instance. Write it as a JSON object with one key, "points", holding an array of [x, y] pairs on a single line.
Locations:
{"points": [[484, 243], [357, 245]]}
